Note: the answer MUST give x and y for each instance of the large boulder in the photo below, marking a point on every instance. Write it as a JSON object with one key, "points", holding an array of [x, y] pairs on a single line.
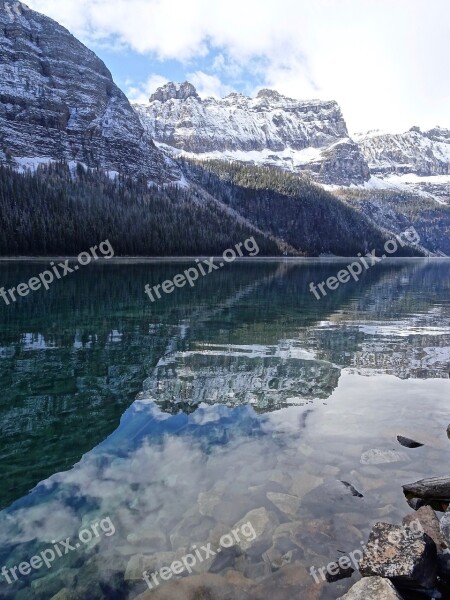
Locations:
{"points": [[434, 488], [426, 518], [406, 555], [372, 588]]}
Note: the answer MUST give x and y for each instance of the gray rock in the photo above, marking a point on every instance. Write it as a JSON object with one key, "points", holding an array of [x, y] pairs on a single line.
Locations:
{"points": [[372, 588], [425, 518], [445, 526], [335, 492], [140, 563], [225, 560], [437, 488], [207, 502], [401, 554], [408, 442], [286, 503], [264, 523]]}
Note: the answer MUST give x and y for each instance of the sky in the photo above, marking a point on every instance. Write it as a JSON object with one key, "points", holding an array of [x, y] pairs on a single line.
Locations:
{"points": [[385, 62]]}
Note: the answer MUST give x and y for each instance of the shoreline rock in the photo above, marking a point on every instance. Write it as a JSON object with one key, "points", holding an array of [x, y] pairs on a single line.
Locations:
{"points": [[372, 588]]}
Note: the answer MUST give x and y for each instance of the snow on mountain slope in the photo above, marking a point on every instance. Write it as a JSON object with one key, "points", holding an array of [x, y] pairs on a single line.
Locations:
{"points": [[269, 129], [418, 160], [58, 101], [422, 153]]}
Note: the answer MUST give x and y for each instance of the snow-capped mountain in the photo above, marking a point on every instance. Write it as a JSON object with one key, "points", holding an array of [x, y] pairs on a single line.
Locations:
{"points": [[424, 153], [58, 101], [420, 159], [269, 129], [296, 135]]}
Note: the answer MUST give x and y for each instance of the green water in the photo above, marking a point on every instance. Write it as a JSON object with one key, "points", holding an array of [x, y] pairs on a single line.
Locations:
{"points": [[242, 386]]}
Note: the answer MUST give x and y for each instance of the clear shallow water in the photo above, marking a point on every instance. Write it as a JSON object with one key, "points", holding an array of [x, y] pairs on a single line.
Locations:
{"points": [[175, 420]]}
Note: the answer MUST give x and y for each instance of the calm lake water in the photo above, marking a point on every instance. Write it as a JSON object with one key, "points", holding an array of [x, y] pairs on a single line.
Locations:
{"points": [[243, 399]]}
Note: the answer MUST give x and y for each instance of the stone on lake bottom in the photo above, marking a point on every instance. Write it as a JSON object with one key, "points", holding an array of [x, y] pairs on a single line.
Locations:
{"points": [[377, 456], [286, 503]]}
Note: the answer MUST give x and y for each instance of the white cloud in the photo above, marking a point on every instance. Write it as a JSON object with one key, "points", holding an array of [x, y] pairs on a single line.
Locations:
{"points": [[209, 85], [141, 92], [385, 62]]}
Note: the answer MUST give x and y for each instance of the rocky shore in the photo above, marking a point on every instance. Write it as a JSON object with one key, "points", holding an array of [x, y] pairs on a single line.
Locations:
{"points": [[412, 560]]}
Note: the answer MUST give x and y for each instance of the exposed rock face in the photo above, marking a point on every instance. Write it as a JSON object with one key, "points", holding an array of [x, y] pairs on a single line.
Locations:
{"points": [[59, 101], [270, 129], [405, 555], [341, 163], [372, 588], [423, 153]]}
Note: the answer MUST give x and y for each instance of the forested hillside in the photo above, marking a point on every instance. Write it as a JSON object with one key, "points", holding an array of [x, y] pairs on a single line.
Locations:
{"points": [[56, 211], [398, 210], [289, 207]]}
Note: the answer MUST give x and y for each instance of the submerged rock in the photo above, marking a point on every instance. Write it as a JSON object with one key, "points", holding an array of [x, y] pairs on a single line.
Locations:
{"points": [[332, 491], [206, 586], [338, 571], [352, 489], [372, 588], [286, 503], [292, 581], [264, 523], [408, 443], [402, 554], [377, 456]]}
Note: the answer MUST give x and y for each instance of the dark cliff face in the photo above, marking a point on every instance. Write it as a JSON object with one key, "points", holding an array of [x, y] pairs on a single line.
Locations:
{"points": [[59, 101]]}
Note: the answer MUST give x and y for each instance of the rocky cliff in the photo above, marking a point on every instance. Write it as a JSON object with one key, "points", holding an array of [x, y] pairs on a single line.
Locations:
{"points": [[58, 101], [270, 129], [424, 153]]}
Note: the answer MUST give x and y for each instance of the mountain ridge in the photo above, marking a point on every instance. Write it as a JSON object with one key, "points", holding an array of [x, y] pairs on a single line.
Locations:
{"points": [[58, 101], [303, 136], [270, 129]]}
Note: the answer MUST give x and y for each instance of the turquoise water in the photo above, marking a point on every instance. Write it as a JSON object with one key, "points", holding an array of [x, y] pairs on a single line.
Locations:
{"points": [[241, 398]]}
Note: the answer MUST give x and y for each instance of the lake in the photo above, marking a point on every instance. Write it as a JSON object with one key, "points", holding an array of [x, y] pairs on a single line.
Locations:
{"points": [[240, 408]]}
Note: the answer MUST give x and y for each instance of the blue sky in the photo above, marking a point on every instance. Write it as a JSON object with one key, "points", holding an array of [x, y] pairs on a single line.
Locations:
{"points": [[384, 62], [139, 74]]}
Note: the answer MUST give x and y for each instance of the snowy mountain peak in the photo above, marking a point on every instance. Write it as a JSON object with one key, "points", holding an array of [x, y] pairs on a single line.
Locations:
{"points": [[269, 129], [174, 91]]}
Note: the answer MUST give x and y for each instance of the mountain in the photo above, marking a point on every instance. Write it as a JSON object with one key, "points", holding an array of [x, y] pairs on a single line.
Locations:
{"points": [[419, 159], [298, 136], [269, 130], [424, 153], [58, 101], [59, 104]]}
